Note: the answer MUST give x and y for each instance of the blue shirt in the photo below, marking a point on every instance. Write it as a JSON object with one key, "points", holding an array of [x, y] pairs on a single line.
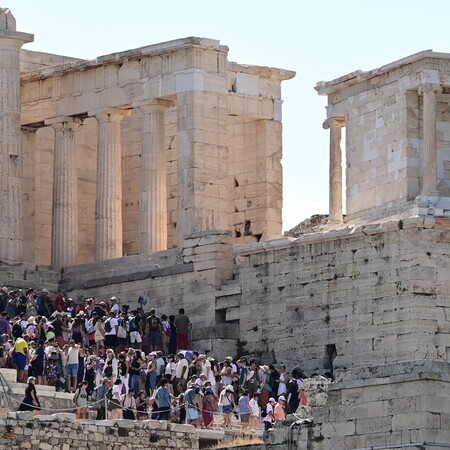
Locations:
{"points": [[39, 361], [162, 397], [243, 406]]}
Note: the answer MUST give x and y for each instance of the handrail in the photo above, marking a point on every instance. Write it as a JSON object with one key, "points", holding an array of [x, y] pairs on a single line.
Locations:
{"points": [[6, 388]]}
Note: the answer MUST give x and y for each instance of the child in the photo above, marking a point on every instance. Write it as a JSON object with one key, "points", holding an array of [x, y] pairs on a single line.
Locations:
{"points": [[254, 412], [244, 410]]}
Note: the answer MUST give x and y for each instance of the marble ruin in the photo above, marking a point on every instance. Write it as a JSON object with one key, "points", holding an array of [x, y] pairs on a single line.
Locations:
{"points": [[157, 171]]}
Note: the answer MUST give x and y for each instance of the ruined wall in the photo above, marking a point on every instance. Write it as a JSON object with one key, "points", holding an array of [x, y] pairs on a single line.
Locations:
{"points": [[374, 294], [62, 432]]}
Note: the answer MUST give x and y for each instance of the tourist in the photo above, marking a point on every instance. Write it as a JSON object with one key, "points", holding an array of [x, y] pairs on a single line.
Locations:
{"points": [[227, 404], [51, 369], [181, 403], [98, 396], [115, 308], [162, 398], [72, 365], [243, 372], [129, 405], [225, 374], [255, 412], [209, 403], [37, 362], [181, 370], [193, 406], [122, 332], [165, 334], [152, 374], [278, 412], [169, 370], [153, 329], [244, 410], [115, 404], [135, 329], [266, 389], [183, 326], [282, 381], [111, 326], [142, 403], [269, 418], [136, 364], [30, 402], [173, 341], [80, 400], [20, 358]]}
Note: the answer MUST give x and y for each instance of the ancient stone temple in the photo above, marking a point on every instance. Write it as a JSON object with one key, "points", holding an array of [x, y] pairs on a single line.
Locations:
{"points": [[156, 172]]}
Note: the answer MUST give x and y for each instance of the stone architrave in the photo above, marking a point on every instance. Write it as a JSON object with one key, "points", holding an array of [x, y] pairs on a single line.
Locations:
{"points": [[65, 192], [108, 205], [429, 181], [335, 125], [10, 138], [153, 214]]}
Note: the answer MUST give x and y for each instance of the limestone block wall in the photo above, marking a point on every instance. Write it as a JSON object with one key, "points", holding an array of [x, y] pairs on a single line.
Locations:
{"points": [[363, 296], [62, 432], [383, 113]]}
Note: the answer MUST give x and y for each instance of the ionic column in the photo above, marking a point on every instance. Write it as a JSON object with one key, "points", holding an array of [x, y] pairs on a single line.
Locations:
{"points": [[335, 125], [429, 180], [10, 138], [65, 204], [153, 218], [108, 205]]}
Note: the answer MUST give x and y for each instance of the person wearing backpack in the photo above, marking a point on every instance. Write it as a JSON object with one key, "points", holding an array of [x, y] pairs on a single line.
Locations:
{"points": [[111, 327], [80, 400], [98, 397], [154, 330], [135, 329], [269, 418]]}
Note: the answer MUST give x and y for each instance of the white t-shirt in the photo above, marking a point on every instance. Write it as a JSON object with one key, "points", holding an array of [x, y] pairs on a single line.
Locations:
{"points": [[170, 368], [116, 309], [114, 323], [268, 417], [254, 407], [117, 390], [209, 373], [179, 369], [72, 355]]}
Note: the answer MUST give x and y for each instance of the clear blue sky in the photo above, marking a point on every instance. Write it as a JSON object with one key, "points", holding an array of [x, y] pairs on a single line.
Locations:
{"points": [[319, 40]]}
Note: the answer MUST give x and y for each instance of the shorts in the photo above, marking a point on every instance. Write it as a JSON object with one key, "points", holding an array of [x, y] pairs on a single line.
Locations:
{"points": [[154, 338], [111, 340], [37, 370], [192, 414], [72, 370], [135, 337], [245, 417], [20, 360], [227, 409]]}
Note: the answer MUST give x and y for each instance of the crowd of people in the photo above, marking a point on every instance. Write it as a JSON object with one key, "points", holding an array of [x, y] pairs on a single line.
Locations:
{"points": [[135, 365]]}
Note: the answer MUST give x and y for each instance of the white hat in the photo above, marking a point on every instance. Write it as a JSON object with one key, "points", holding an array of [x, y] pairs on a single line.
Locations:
{"points": [[271, 399], [229, 388], [282, 397]]}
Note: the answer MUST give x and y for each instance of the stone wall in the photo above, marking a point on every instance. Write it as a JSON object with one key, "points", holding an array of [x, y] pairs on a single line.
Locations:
{"points": [[384, 287], [62, 432]]}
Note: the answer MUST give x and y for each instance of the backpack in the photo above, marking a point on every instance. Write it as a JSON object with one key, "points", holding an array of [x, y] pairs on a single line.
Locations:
{"points": [[264, 412], [108, 371], [17, 330], [75, 397], [169, 330], [108, 327], [133, 326]]}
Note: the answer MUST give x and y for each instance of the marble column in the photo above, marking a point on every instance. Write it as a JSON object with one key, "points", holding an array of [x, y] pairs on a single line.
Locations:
{"points": [[108, 205], [65, 204], [429, 180], [153, 217], [11, 207], [335, 125]]}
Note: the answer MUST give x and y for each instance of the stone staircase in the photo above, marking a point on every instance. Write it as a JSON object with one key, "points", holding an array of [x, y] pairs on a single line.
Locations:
{"points": [[49, 398], [26, 275]]}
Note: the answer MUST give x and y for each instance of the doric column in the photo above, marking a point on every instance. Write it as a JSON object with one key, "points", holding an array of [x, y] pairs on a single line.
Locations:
{"points": [[65, 204], [108, 205], [153, 217], [335, 125], [10, 138], [429, 180]]}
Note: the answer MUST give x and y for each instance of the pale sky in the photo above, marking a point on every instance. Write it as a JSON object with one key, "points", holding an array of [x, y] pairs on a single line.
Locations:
{"points": [[319, 40]]}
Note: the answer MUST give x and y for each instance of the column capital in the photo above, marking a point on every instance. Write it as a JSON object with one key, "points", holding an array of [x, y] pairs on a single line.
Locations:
{"points": [[64, 123], [110, 114], [154, 105], [332, 122], [430, 87]]}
